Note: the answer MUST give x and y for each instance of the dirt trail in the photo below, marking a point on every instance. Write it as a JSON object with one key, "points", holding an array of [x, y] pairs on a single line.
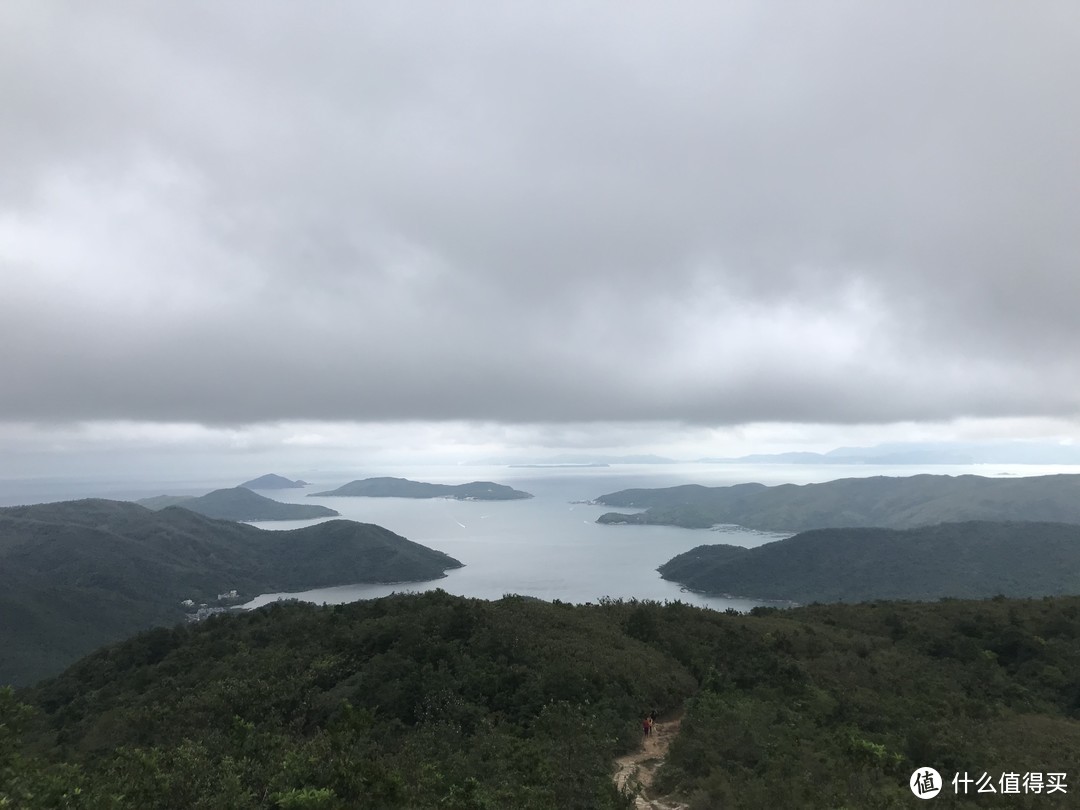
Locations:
{"points": [[635, 772]]}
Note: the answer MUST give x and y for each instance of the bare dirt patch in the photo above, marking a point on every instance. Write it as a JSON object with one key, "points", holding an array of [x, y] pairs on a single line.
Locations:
{"points": [[634, 773]]}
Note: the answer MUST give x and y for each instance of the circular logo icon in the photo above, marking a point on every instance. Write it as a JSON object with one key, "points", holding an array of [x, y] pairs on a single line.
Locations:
{"points": [[925, 783]]}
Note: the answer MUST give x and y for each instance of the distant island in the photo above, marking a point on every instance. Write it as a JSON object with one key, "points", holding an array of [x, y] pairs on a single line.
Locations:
{"points": [[240, 503], [271, 481], [975, 559], [79, 574], [404, 488], [898, 503]]}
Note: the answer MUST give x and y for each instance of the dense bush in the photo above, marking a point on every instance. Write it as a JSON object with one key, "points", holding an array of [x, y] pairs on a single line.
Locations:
{"points": [[437, 701]]}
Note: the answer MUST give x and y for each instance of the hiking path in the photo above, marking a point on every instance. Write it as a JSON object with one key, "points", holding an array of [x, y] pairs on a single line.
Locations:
{"points": [[634, 773]]}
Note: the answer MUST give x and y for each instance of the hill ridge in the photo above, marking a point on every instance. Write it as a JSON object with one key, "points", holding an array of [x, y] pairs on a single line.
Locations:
{"points": [[240, 504], [78, 574], [885, 501], [969, 559]]}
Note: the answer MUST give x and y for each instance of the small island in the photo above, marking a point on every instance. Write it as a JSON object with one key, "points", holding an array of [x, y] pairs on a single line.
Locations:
{"points": [[240, 504], [404, 488], [271, 481]]}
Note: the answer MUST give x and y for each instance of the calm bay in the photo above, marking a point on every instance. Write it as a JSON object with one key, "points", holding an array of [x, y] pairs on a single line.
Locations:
{"points": [[548, 546]]}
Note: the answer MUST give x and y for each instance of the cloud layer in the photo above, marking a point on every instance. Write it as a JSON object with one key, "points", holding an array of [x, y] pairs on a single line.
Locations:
{"points": [[251, 212]]}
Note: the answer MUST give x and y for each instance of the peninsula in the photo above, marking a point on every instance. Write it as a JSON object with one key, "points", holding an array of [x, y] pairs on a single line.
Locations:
{"points": [[975, 559], [79, 574], [896, 503], [404, 488]]}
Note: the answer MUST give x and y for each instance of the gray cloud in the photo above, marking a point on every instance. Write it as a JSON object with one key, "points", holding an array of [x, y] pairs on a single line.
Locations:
{"points": [[233, 213]]}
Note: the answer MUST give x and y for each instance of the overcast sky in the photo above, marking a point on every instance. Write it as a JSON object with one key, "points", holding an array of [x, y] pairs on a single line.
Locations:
{"points": [[482, 225]]}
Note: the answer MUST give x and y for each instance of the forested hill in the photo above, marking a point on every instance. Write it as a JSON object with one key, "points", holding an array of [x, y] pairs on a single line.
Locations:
{"points": [[895, 503], [404, 488], [963, 560], [240, 503], [434, 701], [79, 574]]}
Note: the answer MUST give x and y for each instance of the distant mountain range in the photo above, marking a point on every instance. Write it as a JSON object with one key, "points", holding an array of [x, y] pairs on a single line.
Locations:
{"points": [[559, 466], [239, 503], [404, 488], [574, 460], [900, 453], [79, 574], [271, 481], [848, 455], [888, 454], [976, 559], [918, 500]]}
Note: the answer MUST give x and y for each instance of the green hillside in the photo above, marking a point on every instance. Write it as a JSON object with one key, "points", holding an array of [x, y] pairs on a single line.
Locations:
{"points": [[404, 488], [965, 560], [79, 574], [895, 503], [434, 701]]}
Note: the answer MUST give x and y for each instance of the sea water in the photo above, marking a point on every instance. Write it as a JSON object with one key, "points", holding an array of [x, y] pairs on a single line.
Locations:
{"points": [[549, 546]]}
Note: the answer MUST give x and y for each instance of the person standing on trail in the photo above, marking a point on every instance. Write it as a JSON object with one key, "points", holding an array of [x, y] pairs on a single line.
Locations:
{"points": [[646, 726]]}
